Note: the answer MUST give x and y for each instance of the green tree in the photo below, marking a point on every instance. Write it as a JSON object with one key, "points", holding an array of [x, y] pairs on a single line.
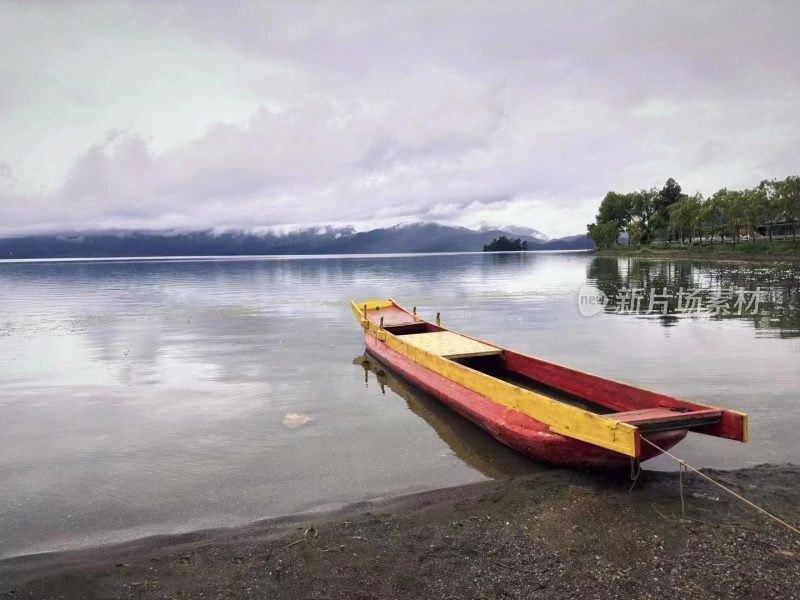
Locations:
{"points": [[753, 206], [734, 207], [669, 195], [604, 235], [643, 209], [684, 215], [789, 201], [720, 202], [615, 207], [709, 218], [635, 233], [769, 203]]}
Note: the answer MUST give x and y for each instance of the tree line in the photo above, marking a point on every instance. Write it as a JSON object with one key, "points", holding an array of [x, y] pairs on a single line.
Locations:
{"points": [[668, 215], [505, 244]]}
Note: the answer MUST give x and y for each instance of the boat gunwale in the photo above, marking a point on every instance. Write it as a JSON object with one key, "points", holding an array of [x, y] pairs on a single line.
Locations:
{"points": [[628, 442]]}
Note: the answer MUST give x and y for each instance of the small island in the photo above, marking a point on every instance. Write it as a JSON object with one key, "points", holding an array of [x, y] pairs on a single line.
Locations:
{"points": [[506, 244]]}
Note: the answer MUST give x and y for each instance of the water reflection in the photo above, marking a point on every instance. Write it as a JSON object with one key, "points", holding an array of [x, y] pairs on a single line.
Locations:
{"points": [[732, 286], [468, 442], [141, 397]]}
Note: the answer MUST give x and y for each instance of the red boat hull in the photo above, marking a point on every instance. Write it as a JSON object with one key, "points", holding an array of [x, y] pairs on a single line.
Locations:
{"points": [[512, 428]]}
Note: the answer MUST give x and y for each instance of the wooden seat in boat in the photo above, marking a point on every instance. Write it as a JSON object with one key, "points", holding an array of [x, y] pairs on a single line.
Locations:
{"points": [[450, 345], [665, 418], [392, 317]]}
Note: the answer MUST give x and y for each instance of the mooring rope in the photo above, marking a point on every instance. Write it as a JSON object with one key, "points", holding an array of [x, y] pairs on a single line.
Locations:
{"points": [[636, 470], [683, 464]]}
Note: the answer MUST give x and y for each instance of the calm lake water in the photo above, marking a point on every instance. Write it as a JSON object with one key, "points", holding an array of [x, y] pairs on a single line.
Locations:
{"points": [[143, 397]]}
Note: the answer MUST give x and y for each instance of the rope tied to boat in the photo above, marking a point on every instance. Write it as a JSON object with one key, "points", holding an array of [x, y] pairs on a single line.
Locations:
{"points": [[636, 470], [684, 465]]}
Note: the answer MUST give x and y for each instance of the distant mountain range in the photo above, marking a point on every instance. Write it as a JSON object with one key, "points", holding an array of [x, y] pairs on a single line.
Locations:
{"points": [[418, 237], [517, 231]]}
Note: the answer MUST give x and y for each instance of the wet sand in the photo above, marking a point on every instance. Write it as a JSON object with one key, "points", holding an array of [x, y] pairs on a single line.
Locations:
{"points": [[555, 534]]}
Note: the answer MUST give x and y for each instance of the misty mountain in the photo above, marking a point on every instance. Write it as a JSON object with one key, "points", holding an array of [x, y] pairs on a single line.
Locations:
{"points": [[517, 231], [418, 237]]}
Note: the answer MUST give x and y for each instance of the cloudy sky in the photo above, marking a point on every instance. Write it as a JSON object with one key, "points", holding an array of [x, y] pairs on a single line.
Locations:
{"points": [[195, 114]]}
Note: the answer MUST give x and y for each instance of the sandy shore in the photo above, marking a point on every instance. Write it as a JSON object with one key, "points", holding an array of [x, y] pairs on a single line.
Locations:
{"points": [[556, 534]]}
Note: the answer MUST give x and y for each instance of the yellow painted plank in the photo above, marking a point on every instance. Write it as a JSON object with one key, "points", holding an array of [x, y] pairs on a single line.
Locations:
{"points": [[562, 418], [371, 304], [449, 344]]}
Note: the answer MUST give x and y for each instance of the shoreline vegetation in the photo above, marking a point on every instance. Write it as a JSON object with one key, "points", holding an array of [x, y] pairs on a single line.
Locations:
{"points": [[556, 533], [761, 221]]}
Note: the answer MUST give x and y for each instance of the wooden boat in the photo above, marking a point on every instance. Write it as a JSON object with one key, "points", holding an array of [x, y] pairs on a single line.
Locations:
{"points": [[546, 411]]}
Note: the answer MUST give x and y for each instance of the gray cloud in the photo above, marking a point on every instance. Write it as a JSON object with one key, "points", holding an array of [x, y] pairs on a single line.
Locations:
{"points": [[508, 112]]}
